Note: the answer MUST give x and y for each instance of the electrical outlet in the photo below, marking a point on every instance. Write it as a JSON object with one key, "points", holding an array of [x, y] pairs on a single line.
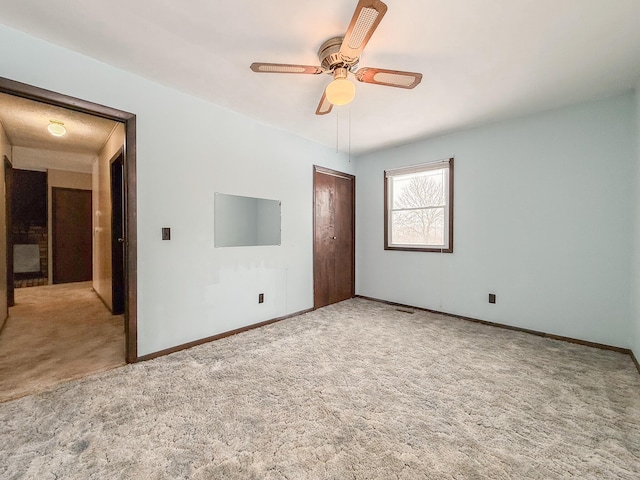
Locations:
{"points": [[261, 298], [166, 233], [492, 298]]}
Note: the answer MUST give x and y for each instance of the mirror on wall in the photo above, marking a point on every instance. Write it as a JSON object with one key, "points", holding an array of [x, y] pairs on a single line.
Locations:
{"points": [[245, 221]]}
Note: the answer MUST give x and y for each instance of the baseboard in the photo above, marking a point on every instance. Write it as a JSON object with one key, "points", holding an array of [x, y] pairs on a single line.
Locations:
{"points": [[635, 360], [195, 343], [601, 346]]}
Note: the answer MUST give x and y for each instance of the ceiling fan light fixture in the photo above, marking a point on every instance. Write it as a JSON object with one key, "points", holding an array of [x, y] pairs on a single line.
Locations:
{"points": [[56, 128], [341, 91], [341, 55]]}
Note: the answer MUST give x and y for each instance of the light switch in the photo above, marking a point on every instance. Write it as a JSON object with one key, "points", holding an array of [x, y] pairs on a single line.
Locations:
{"points": [[166, 233]]}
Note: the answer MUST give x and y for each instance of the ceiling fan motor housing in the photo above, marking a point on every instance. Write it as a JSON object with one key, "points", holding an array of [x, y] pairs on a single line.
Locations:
{"points": [[330, 58]]}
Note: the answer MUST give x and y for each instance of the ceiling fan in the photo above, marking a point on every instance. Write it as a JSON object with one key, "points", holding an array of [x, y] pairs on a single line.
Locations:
{"points": [[340, 56]]}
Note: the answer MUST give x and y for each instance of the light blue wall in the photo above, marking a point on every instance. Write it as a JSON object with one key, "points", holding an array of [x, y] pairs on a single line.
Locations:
{"points": [[188, 149], [543, 218], [636, 263]]}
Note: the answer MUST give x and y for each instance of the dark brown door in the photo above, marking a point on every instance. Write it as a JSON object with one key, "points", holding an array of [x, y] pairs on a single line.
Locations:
{"points": [[8, 199], [71, 221], [334, 236], [117, 234]]}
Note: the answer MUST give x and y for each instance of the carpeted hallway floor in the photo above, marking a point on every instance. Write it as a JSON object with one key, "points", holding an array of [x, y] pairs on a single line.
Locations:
{"points": [[57, 333], [357, 390]]}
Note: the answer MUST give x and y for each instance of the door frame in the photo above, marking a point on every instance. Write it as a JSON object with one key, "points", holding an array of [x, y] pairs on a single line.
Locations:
{"points": [[352, 178], [18, 89]]}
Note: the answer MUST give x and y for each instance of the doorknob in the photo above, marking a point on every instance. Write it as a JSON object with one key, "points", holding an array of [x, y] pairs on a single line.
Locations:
{"points": [[333, 238], [121, 240]]}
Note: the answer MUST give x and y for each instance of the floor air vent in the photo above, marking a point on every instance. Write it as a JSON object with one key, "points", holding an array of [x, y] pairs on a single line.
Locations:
{"points": [[404, 310]]}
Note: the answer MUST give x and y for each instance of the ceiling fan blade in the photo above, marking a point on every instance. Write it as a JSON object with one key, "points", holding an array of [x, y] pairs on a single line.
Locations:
{"points": [[324, 106], [390, 78], [284, 68], [365, 20]]}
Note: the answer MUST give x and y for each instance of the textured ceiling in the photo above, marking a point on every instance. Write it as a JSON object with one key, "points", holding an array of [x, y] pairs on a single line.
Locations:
{"points": [[25, 123], [482, 61]]}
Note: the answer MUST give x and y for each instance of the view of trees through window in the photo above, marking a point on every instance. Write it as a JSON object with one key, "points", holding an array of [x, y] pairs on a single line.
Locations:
{"points": [[418, 208]]}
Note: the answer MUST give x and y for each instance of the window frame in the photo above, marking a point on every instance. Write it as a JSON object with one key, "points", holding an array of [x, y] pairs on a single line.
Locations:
{"points": [[388, 176]]}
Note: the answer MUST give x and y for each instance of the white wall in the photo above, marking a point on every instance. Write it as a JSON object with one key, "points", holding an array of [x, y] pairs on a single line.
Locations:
{"points": [[543, 218], [28, 158], [102, 253], [187, 289], [5, 150]]}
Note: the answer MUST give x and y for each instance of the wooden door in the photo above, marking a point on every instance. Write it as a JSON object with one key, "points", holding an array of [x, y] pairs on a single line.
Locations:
{"points": [[117, 235], [8, 201], [72, 235], [334, 236]]}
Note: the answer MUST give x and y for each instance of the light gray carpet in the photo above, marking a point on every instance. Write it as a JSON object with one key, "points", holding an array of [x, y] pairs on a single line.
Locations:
{"points": [[357, 390]]}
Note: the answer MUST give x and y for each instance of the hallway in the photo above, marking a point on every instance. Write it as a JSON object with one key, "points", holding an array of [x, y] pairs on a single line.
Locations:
{"points": [[57, 333]]}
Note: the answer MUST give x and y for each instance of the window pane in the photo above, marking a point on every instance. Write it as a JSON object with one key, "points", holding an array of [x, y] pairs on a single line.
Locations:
{"points": [[418, 227], [422, 189]]}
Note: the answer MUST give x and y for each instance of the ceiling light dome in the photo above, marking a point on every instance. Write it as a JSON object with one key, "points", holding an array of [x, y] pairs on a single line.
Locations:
{"points": [[56, 128], [341, 91]]}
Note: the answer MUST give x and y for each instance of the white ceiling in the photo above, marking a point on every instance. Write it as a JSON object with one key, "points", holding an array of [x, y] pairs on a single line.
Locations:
{"points": [[482, 60], [25, 122]]}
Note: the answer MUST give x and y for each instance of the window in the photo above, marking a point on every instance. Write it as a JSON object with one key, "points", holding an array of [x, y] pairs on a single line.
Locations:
{"points": [[418, 207]]}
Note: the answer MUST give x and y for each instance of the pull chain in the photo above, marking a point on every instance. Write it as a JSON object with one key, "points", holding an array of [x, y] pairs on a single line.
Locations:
{"points": [[349, 147]]}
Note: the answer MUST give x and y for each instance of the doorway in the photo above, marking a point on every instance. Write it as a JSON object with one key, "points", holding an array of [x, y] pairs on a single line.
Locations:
{"points": [[129, 242], [333, 237]]}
